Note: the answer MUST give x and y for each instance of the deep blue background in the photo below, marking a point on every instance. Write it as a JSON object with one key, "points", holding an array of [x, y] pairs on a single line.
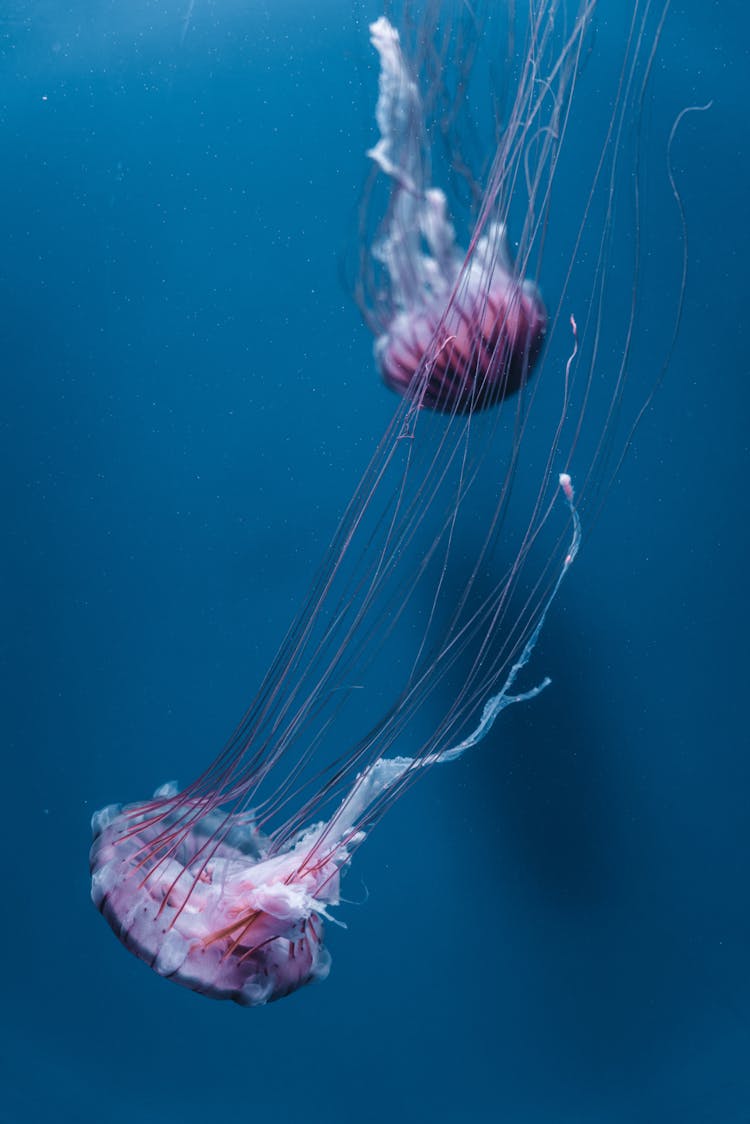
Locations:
{"points": [[556, 930]]}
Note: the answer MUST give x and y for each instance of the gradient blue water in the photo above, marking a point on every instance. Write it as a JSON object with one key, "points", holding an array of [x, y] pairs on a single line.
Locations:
{"points": [[556, 930]]}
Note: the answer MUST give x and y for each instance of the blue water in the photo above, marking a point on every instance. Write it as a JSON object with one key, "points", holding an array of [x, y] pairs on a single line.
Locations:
{"points": [[555, 930]]}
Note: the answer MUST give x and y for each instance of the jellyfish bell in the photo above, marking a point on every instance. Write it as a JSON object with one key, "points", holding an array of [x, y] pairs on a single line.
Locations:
{"points": [[462, 351], [227, 920]]}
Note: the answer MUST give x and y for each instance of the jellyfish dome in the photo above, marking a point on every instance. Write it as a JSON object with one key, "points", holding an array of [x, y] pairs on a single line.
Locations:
{"points": [[463, 331], [225, 920]]}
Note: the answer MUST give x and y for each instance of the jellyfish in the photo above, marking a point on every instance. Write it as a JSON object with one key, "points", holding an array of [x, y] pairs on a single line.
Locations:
{"points": [[418, 627], [250, 925], [471, 328]]}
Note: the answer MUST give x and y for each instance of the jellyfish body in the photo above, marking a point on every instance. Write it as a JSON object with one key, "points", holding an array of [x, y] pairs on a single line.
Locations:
{"points": [[459, 334], [208, 902], [227, 921]]}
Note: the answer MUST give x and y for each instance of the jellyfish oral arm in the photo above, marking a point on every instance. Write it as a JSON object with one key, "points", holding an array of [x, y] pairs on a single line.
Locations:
{"points": [[399, 107], [418, 210], [504, 698], [387, 772]]}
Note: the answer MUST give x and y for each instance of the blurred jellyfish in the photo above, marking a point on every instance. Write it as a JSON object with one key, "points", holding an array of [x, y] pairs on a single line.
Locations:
{"points": [[454, 347], [417, 628]]}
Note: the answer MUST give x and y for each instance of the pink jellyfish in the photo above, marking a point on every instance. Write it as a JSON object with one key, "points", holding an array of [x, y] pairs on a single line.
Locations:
{"points": [[208, 900], [476, 320], [392, 666]]}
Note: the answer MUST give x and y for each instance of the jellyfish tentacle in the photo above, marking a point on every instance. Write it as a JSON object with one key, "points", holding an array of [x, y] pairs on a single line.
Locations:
{"points": [[504, 698], [386, 773]]}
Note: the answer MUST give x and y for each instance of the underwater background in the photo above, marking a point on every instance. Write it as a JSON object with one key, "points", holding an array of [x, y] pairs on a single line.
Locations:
{"points": [[555, 929]]}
